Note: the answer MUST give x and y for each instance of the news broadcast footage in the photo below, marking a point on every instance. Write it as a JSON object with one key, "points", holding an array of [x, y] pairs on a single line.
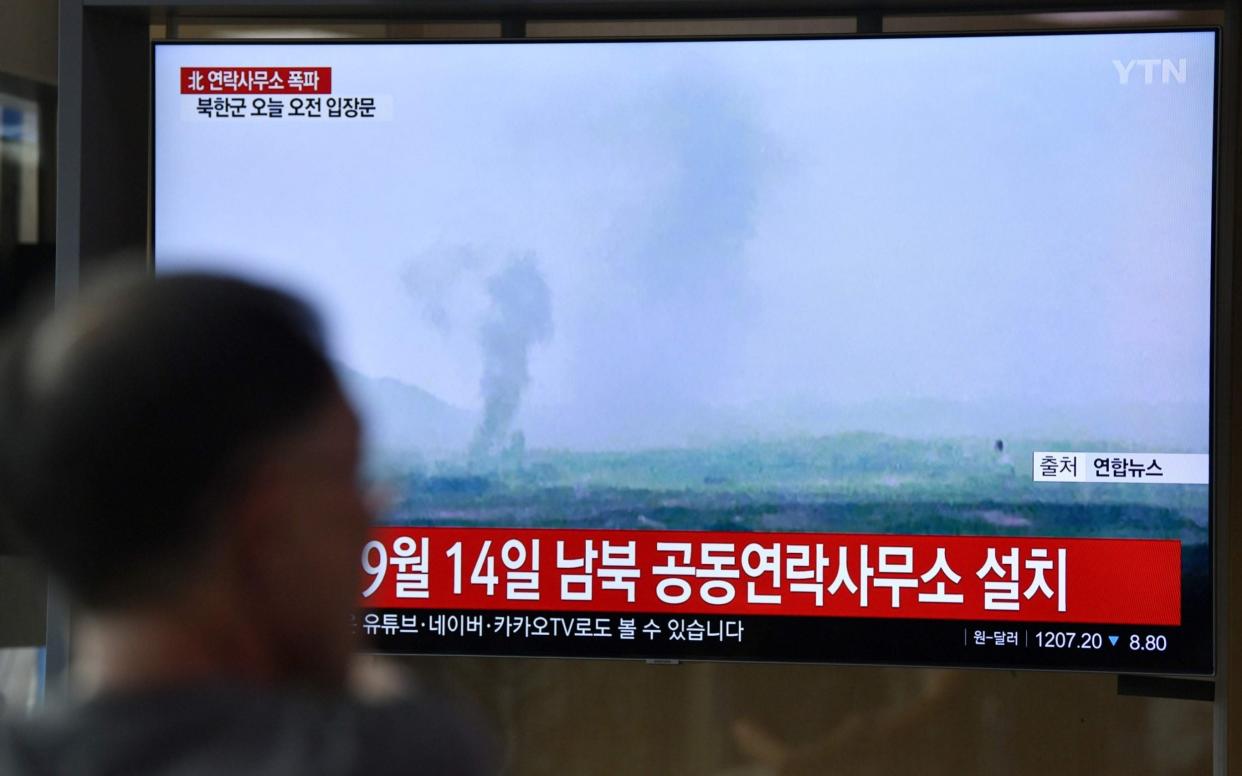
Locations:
{"points": [[890, 350]]}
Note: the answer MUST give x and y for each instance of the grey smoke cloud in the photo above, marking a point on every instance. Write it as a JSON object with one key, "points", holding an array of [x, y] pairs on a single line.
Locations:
{"points": [[671, 328], [440, 281], [520, 317]]}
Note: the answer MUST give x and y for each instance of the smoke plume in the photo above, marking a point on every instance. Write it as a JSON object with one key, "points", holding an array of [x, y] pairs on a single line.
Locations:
{"points": [[519, 317]]}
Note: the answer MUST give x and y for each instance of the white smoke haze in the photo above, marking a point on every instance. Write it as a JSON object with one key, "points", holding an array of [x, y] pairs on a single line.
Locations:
{"points": [[742, 240]]}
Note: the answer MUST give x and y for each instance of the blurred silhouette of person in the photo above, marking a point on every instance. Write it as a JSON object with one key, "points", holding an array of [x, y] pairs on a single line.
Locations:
{"points": [[179, 452]]}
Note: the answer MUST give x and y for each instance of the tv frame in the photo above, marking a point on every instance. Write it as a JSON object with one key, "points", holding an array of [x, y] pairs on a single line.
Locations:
{"points": [[892, 628], [102, 203]]}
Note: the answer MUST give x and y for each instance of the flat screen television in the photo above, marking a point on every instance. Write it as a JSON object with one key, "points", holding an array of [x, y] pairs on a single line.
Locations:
{"points": [[859, 350]]}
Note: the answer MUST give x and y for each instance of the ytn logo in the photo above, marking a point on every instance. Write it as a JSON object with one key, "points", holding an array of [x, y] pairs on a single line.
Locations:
{"points": [[1168, 69]]}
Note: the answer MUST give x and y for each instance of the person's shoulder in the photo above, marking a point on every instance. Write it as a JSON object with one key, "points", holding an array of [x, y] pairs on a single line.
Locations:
{"points": [[163, 732], [414, 734], [262, 732], [422, 735]]}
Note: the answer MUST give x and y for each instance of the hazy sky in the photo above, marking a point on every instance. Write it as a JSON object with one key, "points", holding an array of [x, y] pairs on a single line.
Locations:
{"points": [[730, 224]]}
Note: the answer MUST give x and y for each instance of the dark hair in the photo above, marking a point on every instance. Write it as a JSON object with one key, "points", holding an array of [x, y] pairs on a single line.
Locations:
{"points": [[127, 416]]}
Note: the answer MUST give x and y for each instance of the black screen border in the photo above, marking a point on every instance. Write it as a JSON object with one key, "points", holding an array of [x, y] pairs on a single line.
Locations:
{"points": [[1200, 658]]}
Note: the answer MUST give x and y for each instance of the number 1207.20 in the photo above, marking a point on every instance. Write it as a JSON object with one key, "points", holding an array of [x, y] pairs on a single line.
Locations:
{"points": [[1068, 640]]}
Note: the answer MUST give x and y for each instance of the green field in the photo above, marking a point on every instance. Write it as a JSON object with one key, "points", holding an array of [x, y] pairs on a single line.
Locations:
{"points": [[838, 483]]}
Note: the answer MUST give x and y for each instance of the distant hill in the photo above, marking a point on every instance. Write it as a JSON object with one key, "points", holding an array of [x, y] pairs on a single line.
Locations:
{"points": [[403, 418], [1168, 426]]}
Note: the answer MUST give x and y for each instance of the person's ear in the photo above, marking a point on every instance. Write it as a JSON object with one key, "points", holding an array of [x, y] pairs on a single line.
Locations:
{"points": [[257, 531]]}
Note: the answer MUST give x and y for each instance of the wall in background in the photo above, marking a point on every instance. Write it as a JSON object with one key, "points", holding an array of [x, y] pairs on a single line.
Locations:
{"points": [[28, 39]]}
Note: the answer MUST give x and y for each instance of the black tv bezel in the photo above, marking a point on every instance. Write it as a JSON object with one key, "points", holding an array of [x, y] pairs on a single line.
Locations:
{"points": [[1221, 305]]}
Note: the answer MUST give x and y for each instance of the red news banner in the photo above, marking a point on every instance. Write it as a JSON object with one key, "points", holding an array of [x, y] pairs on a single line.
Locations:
{"points": [[1128, 581], [256, 80]]}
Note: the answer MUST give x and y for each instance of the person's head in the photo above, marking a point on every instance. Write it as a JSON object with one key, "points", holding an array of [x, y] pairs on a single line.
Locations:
{"points": [[184, 439]]}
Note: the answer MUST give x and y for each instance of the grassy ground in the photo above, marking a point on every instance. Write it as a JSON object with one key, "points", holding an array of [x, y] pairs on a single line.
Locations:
{"points": [[841, 483]]}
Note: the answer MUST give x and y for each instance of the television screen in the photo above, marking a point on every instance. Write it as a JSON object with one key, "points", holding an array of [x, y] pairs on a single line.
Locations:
{"points": [[881, 350]]}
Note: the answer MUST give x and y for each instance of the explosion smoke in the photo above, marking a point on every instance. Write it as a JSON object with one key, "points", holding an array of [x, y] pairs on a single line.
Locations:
{"points": [[519, 317]]}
